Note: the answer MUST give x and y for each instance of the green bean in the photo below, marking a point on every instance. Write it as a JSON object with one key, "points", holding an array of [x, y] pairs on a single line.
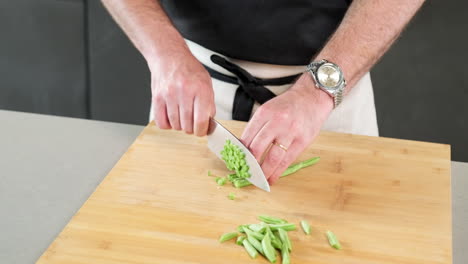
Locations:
{"points": [[251, 233], [227, 236], [268, 249], [232, 196], [278, 240], [286, 227], [257, 227], [305, 227], [276, 243], [333, 240], [240, 228], [285, 255], [241, 183], [250, 248], [269, 232], [271, 220], [239, 240], [220, 181], [255, 243], [285, 238], [295, 167]]}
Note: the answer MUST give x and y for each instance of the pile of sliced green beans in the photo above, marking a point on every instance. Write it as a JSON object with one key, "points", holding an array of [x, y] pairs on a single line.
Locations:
{"points": [[235, 161], [270, 237]]}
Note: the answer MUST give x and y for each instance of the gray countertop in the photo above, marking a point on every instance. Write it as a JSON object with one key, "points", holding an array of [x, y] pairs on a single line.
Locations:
{"points": [[50, 165]]}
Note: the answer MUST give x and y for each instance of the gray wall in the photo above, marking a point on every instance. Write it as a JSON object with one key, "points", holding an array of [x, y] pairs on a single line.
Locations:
{"points": [[69, 58], [42, 57], [421, 87]]}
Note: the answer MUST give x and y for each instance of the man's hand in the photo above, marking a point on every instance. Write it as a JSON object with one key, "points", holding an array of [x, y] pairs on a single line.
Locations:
{"points": [[292, 119], [182, 94], [181, 87]]}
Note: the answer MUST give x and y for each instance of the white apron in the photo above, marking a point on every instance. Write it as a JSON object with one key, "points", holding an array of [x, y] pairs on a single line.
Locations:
{"points": [[355, 115]]}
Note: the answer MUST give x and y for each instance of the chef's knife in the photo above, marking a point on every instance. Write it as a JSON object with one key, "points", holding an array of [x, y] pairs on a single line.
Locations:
{"points": [[217, 136]]}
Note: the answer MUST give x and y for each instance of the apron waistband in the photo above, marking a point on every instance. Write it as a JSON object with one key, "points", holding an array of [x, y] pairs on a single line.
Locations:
{"points": [[251, 89]]}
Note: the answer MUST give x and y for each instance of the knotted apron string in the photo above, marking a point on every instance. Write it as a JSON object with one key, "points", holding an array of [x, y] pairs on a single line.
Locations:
{"points": [[251, 89]]}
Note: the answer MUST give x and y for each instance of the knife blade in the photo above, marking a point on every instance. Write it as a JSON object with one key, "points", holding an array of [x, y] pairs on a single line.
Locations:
{"points": [[217, 136]]}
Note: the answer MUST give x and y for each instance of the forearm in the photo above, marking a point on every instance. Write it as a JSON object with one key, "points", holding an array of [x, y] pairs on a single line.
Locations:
{"points": [[148, 27], [366, 32]]}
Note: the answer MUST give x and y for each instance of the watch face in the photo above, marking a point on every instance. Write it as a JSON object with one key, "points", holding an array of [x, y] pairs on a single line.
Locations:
{"points": [[329, 75]]}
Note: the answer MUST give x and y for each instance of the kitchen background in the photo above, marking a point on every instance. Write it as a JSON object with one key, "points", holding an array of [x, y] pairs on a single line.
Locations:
{"points": [[68, 58]]}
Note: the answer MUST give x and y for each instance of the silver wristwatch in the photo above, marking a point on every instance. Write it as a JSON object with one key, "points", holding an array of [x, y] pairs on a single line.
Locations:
{"points": [[328, 77]]}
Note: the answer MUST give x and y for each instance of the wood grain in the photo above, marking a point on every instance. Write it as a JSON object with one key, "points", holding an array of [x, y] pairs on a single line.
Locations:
{"points": [[387, 200]]}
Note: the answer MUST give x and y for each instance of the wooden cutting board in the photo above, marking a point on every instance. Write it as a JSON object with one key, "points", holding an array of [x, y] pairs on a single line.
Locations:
{"points": [[387, 200]]}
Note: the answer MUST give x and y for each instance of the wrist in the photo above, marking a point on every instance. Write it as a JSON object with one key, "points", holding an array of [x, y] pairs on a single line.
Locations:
{"points": [[305, 87], [167, 49]]}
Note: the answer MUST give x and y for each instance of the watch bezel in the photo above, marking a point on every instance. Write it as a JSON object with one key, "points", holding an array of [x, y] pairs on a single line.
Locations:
{"points": [[334, 66], [314, 67]]}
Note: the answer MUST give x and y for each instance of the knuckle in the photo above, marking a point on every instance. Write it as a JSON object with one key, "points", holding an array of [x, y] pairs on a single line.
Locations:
{"points": [[158, 98], [170, 92], [262, 112]]}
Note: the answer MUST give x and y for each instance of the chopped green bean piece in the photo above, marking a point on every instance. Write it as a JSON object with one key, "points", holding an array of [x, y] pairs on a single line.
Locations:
{"points": [[241, 183], [269, 232], [227, 236], [240, 228], [257, 227], [232, 177], [250, 249], [305, 227], [286, 227], [239, 240], [268, 249], [278, 239], [209, 173], [271, 220], [333, 240], [220, 181], [276, 243], [285, 238], [232, 196], [251, 233], [285, 255], [255, 243], [295, 167]]}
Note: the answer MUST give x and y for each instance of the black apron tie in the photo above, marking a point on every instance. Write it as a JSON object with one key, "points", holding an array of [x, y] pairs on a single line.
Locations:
{"points": [[250, 90]]}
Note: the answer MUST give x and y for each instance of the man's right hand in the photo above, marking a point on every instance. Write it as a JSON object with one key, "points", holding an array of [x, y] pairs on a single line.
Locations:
{"points": [[182, 94]]}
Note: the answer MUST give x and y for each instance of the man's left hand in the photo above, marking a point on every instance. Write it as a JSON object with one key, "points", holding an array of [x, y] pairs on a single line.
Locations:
{"points": [[288, 123]]}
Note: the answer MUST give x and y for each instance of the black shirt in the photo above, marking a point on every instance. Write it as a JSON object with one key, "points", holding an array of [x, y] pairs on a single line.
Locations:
{"points": [[287, 32]]}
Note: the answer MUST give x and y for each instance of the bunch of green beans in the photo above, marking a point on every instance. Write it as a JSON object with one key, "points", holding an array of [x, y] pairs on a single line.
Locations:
{"points": [[270, 237], [265, 238], [235, 161]]}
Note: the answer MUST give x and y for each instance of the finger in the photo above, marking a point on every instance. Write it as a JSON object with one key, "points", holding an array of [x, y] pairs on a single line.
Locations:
{"points": [[186, 116], [173, 115], [262, 141], [201, 117], [254, 126], [293, 152], [276, 154], [160, 114]]}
